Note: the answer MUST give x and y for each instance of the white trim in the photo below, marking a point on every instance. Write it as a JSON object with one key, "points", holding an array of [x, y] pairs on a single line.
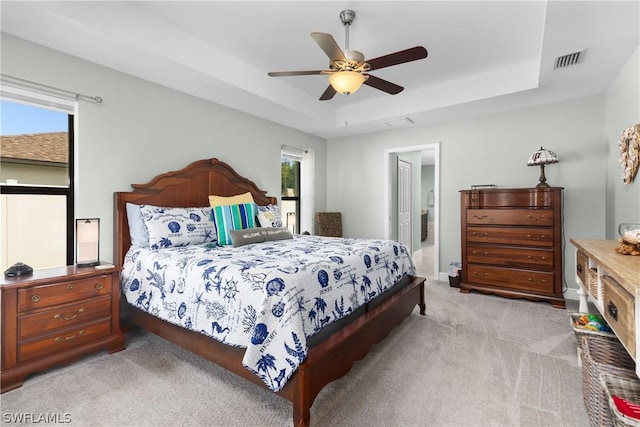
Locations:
{"points": [[37, 99]]}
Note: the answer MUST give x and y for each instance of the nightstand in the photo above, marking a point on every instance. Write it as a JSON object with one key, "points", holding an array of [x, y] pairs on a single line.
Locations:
{"points": [[57, 315]]}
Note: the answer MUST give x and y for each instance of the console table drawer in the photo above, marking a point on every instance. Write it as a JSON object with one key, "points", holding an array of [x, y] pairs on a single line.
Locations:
{"points": [[582, 266], [619, 311]]}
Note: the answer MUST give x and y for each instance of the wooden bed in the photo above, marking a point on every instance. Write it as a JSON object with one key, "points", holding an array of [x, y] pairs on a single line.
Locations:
{"points": [[327, 361]]}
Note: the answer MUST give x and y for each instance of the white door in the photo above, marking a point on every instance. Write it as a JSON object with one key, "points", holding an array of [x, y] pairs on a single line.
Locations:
{"points": [[404, 203]]}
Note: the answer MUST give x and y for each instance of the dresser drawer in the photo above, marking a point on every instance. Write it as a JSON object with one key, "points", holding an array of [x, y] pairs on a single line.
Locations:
{"points": [[525, 217], [619, 312], [64, 316], [542, 237], [510, 256], [59, 293], [68, 338], [511, 278], [536, 197]]}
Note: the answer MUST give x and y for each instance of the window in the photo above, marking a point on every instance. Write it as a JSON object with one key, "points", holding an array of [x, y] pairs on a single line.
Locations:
{"points": [[290, 195], [36, 179]]}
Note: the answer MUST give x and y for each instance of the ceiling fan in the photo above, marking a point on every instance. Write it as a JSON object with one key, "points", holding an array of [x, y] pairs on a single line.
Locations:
{"points": [[348, 69]]}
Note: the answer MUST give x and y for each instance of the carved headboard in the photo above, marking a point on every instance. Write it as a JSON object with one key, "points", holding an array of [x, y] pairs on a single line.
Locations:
{"points": [[188, 187]]}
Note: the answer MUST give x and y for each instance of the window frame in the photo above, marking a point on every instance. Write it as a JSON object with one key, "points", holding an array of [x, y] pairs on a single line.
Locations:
{"points": [[68, 191], [297, 198]]}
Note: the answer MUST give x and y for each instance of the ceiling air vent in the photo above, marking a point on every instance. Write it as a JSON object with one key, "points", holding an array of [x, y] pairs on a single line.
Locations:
{"points": [[405, 121], [569, 59]]}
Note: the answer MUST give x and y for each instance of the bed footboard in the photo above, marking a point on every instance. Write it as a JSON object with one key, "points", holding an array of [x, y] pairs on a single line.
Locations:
{"points": [[334, 357]]}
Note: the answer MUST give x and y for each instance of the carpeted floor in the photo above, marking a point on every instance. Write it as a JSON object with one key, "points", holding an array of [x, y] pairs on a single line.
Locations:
{"points": [[473, 360]]}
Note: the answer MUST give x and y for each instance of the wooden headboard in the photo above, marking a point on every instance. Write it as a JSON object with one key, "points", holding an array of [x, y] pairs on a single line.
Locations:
{"points": [[188, 187]]}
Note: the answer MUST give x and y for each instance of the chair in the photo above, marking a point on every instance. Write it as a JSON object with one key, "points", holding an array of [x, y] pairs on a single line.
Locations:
{"points": [[329, 224]]}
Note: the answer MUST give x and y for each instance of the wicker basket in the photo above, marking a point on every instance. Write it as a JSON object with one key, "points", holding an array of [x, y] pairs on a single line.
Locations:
{"points": [[592, 279], [602, 356], [581, 332], [628, 389]]}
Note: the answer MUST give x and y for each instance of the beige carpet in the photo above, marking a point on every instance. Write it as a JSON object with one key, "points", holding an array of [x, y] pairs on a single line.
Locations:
{"points": [[474, 360]]}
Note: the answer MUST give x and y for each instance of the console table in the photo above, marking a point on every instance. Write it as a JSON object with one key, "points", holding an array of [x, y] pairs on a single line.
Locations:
{"points": [[612, 281]]}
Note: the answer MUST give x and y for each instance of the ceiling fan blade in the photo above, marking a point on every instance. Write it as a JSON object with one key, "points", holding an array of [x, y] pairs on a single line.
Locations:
{"points": [[399, 57], [328, 44], [328, 94], [383, 85], [294, 73]]}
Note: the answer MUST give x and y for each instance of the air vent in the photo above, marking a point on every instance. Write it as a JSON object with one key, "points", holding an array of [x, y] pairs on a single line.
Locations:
{"points": [[569, 59], [405, 121]]}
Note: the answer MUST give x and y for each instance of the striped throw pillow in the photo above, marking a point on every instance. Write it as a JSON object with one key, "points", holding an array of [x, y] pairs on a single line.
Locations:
{"points": [[233, 217]]}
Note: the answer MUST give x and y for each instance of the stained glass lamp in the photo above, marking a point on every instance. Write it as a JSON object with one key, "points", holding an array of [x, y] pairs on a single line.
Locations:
{"points": [[540, 158]]}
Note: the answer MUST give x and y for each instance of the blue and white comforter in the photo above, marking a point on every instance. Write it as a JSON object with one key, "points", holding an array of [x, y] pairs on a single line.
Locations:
{"points": [[265, 297]]}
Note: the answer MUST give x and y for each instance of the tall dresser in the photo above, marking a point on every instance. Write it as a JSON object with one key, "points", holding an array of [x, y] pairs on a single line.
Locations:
{"points": [[512, 243]]}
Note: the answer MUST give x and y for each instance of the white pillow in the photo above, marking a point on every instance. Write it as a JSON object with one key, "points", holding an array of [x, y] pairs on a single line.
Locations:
{"points": [[170, 227], [269, 216], [137, 229]]}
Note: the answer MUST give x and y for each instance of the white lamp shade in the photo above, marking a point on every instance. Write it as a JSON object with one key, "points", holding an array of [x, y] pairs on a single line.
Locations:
{"points": [[346, 82], [87, 241]]}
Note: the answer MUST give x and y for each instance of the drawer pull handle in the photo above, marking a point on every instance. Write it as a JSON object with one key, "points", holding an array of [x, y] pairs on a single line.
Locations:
{"points": [[543, 281], [613, 310], [60, 316], [99, 286], [475, 273], [35, 298], [536, 238], [70, 337], [480, 253], [475, 233], [479, 216], [579, 268], [69, 286]]}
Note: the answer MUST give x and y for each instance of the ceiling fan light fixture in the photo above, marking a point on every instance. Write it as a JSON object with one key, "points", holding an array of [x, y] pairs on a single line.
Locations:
{"points": [[346, 82]]}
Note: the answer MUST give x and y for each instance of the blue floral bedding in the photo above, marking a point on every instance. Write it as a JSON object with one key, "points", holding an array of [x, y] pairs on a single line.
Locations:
{"points": [[265, 297]]}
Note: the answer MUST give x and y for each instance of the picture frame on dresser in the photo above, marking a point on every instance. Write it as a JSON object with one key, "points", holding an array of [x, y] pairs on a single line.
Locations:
{"points": [[512, 243], [57, 315]]}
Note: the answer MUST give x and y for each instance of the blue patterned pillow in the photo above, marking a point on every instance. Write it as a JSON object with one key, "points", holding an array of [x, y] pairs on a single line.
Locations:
{"points": [[233, 217], [170, 227], [269, 216]]}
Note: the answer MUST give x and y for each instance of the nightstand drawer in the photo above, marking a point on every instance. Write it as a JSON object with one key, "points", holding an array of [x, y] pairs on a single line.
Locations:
{"points": [[530, 217], [59, 293], [541, 237], [68, 338], [64, 316], [619, 311]]}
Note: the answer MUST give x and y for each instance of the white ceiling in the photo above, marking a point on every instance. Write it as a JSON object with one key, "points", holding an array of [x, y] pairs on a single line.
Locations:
{"points": [[483, 56]]}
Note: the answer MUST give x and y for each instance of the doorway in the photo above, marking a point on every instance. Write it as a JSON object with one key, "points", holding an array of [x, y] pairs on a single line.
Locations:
{"points": [[426, 251]]}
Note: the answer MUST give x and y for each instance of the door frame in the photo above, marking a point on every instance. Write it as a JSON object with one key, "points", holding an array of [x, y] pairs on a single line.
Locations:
{"points": [[386, 167]]}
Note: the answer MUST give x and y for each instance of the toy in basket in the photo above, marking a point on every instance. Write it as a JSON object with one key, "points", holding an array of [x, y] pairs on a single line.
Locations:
{"points": [[588, 323], [623, 395]]}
